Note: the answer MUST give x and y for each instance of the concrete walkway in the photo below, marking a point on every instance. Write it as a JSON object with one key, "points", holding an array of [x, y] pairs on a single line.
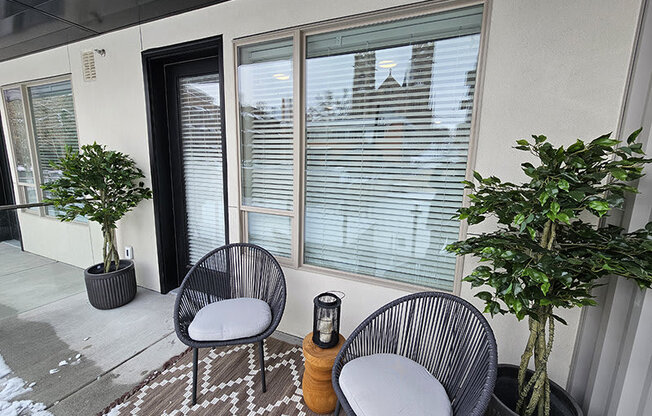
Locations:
{"points": [[80, 358]]}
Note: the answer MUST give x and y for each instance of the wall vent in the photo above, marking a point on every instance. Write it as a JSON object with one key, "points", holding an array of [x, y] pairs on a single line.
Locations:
{"points": [[88, 65]]}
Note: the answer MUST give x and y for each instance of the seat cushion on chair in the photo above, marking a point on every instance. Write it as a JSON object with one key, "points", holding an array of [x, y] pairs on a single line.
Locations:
{"points": [[230, 319], [392, 385]]}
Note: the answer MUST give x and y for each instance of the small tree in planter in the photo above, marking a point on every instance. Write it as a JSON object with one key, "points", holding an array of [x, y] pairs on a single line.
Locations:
{"points": [[101, 185], [544, 256]]}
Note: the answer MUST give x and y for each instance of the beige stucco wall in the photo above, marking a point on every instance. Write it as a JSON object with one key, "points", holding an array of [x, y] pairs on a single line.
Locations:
{"points": [[554, 67]]}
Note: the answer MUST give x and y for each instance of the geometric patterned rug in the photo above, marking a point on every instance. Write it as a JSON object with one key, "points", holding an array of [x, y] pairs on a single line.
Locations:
{"points": [[228, 383]]}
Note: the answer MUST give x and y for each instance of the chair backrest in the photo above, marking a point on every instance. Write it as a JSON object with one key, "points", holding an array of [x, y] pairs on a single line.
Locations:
{"points": [[239, 270], [442, 332]]}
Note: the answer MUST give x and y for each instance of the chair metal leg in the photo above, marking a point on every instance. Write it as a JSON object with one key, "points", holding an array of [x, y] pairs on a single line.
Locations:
{"points": [[195, 358], [262, 364], [337, 408]]}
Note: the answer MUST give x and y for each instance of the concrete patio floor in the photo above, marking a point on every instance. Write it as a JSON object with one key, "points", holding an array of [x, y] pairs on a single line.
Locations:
{"points": [[46, 320]]}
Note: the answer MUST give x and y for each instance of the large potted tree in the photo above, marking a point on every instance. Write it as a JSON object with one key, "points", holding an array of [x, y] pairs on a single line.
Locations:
{"points": [[101, 185], [550, 249]]}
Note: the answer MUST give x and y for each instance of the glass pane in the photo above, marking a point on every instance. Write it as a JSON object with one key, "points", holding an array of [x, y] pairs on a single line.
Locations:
{"points": [[18, 133], [29, 196], [271, 232], [201, 141], [388, 116], [266, 124], [55, 128], [53, 117]]}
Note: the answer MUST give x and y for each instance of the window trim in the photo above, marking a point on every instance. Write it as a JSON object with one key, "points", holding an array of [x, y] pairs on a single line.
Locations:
{"points": [[29, 128], [299, 35]]}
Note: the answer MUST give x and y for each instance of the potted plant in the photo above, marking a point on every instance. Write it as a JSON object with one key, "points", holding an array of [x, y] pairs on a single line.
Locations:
{"points": [[548, 252], [101, 185]]}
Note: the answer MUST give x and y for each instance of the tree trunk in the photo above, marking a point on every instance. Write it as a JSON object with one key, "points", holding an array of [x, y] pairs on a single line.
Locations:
{"points": [[109, 252], [534, 396]]}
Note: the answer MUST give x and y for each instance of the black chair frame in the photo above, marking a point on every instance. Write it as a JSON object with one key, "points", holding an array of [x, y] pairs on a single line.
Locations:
{"points": [[228, 272]]}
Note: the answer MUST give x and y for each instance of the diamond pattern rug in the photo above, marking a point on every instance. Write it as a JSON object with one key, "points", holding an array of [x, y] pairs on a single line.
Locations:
{"points": [[228, 383]]}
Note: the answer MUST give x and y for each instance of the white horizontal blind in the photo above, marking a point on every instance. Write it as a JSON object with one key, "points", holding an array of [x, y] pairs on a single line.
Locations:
{"points": [[270, 232], [53, 118], [265, 95], [388, 117], [201, 140], [266, 124]]}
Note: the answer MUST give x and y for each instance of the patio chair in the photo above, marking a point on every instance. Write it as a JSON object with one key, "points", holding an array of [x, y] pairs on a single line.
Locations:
{"points": [[234, 295], [426, 353]]}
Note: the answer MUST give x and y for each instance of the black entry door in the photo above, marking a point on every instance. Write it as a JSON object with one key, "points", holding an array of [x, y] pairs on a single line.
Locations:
{"points": [[188, 155], [8, 221]]}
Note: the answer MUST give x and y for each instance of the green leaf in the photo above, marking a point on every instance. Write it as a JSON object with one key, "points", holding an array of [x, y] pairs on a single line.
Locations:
{"points": [[540, 138], [543, 197], [486, 296], [518, 219], [477, 175], [563, 184], [604, 141], [577, 146], [600, 206], [576, 195], [554, 207], [563, 218], [632, 137], [523, 142], [468, 184], [545, 287], [619, 173]]}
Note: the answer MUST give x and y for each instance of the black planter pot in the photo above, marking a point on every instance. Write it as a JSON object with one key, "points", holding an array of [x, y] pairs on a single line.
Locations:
{"points": [[503, 401], [113, 289]]}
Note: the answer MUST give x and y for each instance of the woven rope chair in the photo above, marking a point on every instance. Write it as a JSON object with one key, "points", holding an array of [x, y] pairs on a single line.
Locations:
{"points": [[443, 333], [232, 271]]}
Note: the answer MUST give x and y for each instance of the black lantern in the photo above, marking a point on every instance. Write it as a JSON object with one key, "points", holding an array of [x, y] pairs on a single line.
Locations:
{"points": [[326, 320]]}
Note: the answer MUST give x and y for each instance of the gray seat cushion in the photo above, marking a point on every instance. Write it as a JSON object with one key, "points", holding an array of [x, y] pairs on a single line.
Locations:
{"points": [[392, 385], [230, 319]]}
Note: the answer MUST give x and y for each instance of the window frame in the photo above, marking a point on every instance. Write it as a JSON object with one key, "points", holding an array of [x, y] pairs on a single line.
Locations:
{"points": [[299, 35], [29, 128]]}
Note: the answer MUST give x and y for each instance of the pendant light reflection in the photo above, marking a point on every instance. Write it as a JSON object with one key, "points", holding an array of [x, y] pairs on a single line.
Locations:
{"points": [[281, 77], [387, 64]]}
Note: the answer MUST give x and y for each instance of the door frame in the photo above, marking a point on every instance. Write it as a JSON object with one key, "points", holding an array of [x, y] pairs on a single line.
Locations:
{"points": [[7, 194], [155, 62]]}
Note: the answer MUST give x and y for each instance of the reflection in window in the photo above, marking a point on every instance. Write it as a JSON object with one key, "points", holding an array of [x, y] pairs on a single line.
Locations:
{"points": [[388, 118], [55, 129], [273, 232], [201, 141], [18, 132], [266, 124]]}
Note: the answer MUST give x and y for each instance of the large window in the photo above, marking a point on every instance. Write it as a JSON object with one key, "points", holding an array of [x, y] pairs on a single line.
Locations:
{"points": [[41, 121], [386, 123]]}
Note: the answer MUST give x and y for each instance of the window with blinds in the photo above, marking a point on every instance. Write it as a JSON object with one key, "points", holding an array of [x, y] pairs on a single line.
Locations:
{"points": [[19, 140], [266, 136], [201, 141], [388, 116], [54, 126]]}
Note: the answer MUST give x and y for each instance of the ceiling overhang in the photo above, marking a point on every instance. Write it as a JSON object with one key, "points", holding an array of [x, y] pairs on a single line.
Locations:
{"points": [[28, 26]]}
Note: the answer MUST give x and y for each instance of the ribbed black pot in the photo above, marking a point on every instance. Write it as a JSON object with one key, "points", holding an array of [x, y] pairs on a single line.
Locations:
{"points": [[505, 396], [113, 289]]}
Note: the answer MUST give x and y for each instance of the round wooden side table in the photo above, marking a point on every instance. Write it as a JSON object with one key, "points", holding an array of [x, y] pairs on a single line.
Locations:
{"points": [[317, 387]]}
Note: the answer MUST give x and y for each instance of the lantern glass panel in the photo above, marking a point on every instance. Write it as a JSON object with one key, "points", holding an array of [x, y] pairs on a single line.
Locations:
{"points": [[326, 320]]}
